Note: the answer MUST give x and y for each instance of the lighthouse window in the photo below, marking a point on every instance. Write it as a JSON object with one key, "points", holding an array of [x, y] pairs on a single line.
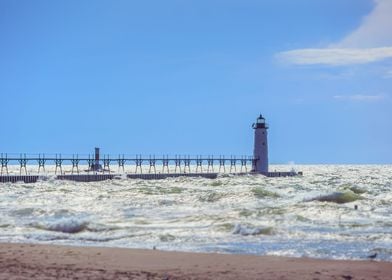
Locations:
{"points": [[263, 143]]}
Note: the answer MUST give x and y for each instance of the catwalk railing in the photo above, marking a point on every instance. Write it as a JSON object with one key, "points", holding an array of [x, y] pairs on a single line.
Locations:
{"points": [[137, 164]]}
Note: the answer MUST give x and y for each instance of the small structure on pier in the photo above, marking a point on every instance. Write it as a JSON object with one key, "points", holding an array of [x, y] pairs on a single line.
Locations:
{"points": [[95, 164]]}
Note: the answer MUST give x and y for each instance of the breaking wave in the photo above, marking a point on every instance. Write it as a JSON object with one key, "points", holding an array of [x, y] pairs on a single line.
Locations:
{"points": [[63, 225], [250, 230], [338, 197], [261, 193]]}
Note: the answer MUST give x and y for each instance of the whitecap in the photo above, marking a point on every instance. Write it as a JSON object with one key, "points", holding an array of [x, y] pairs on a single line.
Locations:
{"points": [[63, 225], [250, 230], [338, 197]]}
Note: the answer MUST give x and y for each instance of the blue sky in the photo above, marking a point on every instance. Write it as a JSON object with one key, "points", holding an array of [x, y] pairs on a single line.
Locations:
{"points": [[190, 77]]}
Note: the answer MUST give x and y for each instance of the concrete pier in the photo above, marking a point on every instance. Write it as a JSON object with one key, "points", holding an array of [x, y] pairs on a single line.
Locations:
{"points": [[147, 176], [160, 176], [101, 177], [18, 178], [86, 177]]}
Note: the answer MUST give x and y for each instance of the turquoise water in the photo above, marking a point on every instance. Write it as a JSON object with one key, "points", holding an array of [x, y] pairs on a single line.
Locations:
{"points": [[311, 216]]}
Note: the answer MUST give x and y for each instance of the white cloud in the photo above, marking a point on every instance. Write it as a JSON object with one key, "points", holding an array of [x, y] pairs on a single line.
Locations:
{"points": [[360, 97], [336, 56], [375, 29], [370, 42]]}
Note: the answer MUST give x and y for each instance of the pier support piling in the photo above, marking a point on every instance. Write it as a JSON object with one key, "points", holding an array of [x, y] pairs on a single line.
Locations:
{"points": [[187, 164], [139, 162], [177, 162], [233, 162], [106, 164], [165, 164], [210, 164], [243, 164], [4, 163], [23, 162], [58, 162], [222, 164], [199, 164], [41, 162], [90, 164], [121, 163], [75, 164], [152, 164]]}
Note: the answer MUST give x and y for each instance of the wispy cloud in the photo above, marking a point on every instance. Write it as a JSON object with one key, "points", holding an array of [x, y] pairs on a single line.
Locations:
{"points": [[370, 42], [375, 28], [336, 56], [360, 97]]}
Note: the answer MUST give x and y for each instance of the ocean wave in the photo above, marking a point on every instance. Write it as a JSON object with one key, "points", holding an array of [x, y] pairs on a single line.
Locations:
{"points": [[338, 197], [261, 193], [63, 225], [357, 190], [211, 197], [157, 190], [77, 239], [100, 239], [230, 213], [166, 202], [96, 227], [251, 230], [354, 189], [216, 183], [26, 211], [166, 237], [245, 213]]}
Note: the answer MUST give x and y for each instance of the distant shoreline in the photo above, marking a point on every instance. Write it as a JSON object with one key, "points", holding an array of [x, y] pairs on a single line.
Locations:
{"points": [[34, 261]]}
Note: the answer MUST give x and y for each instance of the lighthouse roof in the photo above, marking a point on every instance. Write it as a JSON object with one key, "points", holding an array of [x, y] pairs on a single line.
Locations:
{"points": [[260, 123]]}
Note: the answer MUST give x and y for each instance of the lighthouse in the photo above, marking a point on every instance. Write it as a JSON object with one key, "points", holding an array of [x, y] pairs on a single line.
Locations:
{"points": [[260, 150]]}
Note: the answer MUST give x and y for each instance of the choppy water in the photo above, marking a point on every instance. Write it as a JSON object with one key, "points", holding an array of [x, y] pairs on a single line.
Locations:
{"points": [[312, 216]]}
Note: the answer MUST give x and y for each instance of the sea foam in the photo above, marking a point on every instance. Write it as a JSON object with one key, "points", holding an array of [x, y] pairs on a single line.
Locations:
{"points": [[329, 212]]}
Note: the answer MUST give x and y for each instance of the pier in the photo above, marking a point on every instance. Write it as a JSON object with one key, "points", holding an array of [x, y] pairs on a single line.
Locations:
{"points": [[89, 169], [93, 167]]}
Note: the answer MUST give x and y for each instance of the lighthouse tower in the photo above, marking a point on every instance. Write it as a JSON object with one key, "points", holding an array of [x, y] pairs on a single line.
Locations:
{"points": [[260, 151]]}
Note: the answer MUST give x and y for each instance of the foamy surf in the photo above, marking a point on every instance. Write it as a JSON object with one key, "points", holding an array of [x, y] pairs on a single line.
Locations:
{"points": [[313, 215], [62, 225]]}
